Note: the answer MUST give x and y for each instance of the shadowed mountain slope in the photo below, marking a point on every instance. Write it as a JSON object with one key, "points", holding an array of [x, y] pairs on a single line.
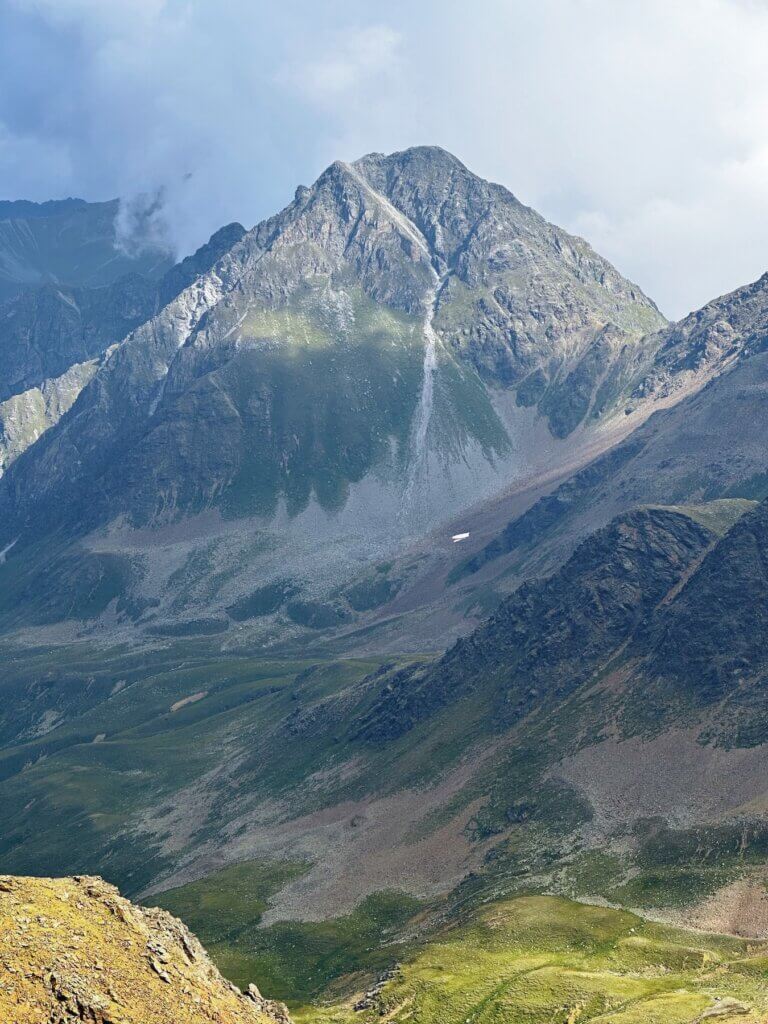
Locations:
{"points": [[69, 242]]}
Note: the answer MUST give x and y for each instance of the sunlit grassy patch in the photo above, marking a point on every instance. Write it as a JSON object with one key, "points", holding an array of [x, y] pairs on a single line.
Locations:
{"points": [[544, 960]]}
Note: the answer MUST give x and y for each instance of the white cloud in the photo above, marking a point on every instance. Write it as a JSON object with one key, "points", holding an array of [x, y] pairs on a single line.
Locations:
{"points": [[642, 126], [351, 60]]}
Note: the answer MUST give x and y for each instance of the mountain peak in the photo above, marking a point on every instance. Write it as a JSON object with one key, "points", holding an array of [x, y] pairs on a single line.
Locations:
{"points": [[422, 157], [387, 332]]}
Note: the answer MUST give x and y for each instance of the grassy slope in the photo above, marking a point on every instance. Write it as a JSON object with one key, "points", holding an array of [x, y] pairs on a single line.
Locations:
{"points": [[119, 749], [529, 959], [543, 960], [718, 515], [292, 960]]}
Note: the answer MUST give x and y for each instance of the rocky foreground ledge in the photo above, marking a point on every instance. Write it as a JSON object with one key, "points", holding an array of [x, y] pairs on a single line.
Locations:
{"points": [[73, 949]]}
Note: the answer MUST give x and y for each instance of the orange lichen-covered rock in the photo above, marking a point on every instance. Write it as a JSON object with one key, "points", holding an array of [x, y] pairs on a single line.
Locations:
{"points": [[73, 949]]}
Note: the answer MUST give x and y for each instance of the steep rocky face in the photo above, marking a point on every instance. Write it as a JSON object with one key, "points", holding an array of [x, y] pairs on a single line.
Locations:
{"points": [[182, 274], [708, 644], [26, 416], [53, 338], [45, 331], [727, 330], [74, 950], [551, 636], [68, 242], [357, 361], [515, 288]]}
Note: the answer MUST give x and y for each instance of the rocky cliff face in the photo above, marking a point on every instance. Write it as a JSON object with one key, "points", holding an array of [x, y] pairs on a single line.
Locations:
{"points": [[515, 287], [72, 949], [46, 330]]}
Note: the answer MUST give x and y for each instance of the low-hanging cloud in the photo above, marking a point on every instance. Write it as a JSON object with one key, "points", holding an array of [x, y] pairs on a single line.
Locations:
{"points": [[643, 127]]}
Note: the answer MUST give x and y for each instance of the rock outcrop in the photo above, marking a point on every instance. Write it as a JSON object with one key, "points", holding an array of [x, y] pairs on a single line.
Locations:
{"points": [[72, 949], [550, 636]]}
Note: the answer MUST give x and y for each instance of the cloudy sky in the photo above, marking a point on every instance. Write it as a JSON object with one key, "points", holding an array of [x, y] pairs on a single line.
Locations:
{"points": [[642, 126]]}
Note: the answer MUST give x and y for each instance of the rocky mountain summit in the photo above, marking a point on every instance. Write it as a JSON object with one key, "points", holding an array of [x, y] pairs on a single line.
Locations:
{"points": [[347, 275], [401, 341], [72, 949]]}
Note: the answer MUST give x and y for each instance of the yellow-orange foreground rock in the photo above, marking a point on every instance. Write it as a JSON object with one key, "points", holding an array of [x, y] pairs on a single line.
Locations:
{"points": [[73, 949]]}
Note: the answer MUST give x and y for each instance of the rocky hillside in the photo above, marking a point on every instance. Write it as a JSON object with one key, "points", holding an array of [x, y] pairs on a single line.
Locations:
{"points": [[634, 667], [402, 340], [657, 601], [550, 637], [72, 949]]}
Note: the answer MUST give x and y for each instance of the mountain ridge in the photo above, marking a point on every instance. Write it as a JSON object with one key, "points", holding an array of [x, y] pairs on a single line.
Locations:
{"points": [[54, 337], [70, 242]]}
